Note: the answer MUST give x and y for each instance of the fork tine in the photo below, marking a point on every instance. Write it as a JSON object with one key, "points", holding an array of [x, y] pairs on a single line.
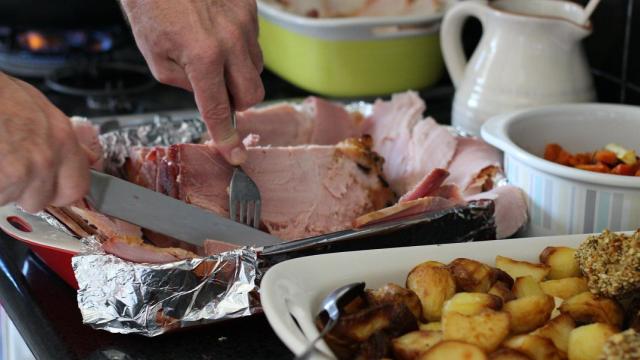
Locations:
{"points": [[256, 214], [232, 210], [243, 211]]}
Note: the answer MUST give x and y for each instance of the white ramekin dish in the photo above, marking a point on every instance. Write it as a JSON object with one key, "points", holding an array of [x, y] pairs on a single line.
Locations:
{"points": [[561, 199]]}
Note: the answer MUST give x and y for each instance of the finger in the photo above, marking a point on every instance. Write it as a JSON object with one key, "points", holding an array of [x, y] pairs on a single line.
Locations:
{"points": [[72, 182], [39, 193], [255, 52], [15, 180], [213, 102], [169, 72], [243, 80]]}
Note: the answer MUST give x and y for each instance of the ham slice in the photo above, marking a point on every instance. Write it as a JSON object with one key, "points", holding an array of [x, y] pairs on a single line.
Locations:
{"points": [[278, 125], [411, 147], [134, 249], [427, 186], [510, 209], [105, 226], [404, 210], [474, 165], [315, 121], [215, 247], [306, 190]]}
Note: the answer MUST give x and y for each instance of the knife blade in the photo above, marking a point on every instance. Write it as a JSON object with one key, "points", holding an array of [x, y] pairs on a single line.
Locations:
{"points": [[165, 215]]}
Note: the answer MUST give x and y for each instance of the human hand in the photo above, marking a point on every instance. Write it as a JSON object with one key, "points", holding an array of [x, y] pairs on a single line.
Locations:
{"points": [[209, 47], [41, 161]]}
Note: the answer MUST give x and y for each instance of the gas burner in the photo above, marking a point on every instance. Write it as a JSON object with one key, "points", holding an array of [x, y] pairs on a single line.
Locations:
{"points": [[106, 86], [38, 53]]}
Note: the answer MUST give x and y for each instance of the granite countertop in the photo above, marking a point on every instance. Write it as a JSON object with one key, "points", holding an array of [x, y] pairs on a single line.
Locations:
{"points": [[44, 310]]}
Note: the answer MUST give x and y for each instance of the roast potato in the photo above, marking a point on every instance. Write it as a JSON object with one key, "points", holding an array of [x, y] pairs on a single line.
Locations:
{"points": [[564, 288], [557, 330], [433, 284], [535, 347], [562, 262], [587, 308], [502, 291], [432, 326], [471, 275], [516, 268], [586, 342], [472, 303], [486, 330], [392, 293], [451, 349], [508, 354], [529, 313], [411, 345], [526, 286]]}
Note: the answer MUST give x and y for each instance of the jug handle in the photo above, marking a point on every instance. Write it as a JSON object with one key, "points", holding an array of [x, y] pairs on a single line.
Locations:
{"points": [[451, 35]]}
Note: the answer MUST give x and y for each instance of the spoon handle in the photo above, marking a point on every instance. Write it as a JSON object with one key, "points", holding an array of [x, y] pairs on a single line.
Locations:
{"points": [[312, 346]]}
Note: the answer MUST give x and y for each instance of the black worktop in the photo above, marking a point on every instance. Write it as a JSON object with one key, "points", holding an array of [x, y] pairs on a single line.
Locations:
{"points": [[44, 309]]}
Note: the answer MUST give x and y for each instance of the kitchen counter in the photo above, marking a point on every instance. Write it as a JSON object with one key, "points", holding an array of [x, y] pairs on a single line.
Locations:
{"points": [[44, 310]]}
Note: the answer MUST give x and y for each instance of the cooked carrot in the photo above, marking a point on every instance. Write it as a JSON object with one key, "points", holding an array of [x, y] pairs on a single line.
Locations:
{"points": [[551, 152], [638, 172], [565, 158], [624, 169], [606, 156], [583, 159], [599, 167]]}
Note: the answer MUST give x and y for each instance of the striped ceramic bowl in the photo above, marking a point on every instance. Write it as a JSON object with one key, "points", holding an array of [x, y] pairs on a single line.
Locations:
{"points": [[561, 199]]}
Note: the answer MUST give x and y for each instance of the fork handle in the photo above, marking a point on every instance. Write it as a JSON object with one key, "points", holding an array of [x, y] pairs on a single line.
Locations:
{"points": [[312, 346]]}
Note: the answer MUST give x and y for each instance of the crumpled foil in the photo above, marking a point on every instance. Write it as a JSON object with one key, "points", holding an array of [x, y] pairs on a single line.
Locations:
{"points": [[161, 131], [125, 297]]}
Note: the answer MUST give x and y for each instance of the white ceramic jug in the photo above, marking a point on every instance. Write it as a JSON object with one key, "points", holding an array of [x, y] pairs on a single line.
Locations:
{"points": [[530, 54]]}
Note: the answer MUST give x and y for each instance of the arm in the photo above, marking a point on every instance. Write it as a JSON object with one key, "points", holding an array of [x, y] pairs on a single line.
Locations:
{"points": [[209, 47]]}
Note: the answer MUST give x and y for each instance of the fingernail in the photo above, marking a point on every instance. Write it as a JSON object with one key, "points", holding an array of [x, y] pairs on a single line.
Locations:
{"points": [[238, 156]]}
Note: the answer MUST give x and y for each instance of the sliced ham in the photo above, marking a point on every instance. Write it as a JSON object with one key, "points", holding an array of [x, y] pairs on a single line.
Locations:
{"points": [[427, 186], [215, 247], [510, 208], [315, 121], [306, 190], [277, 125], [474, 165], [134, 249], [411, 147], [105, 227], [404, 210]]}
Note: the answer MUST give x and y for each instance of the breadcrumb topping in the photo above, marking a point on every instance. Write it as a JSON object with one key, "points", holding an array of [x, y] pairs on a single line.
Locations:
{"points": [[622, 346], [611, 263]]}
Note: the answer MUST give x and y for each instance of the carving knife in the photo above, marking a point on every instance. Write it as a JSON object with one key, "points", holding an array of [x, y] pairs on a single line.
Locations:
{"points": [[165, 215]]}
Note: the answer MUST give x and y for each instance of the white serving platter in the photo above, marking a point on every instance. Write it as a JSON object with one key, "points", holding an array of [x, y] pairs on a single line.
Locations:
{"points": [[294, 288]]}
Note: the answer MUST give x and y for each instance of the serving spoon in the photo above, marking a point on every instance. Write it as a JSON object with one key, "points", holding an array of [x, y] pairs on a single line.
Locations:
{"points": [[332, 305]]}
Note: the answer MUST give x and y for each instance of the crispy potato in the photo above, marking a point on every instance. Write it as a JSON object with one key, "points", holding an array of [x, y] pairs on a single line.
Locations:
{"points": [[434, 285], [471, 275], [562, 262], [526, 286], [529, 313], [486, 330], [586, 342], [564, 288], [432, 326], [411, 345], [556, 311], [450, 349], [394, 319], [502, 291], [392, 293], [557, 330], [472, 303], [508, 354], [587, 308], [517, 269], [535, 347], [502, 276]]}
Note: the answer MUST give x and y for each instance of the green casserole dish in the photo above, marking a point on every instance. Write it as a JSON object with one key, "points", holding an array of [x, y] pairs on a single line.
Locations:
{"points": [[351, 57]]}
